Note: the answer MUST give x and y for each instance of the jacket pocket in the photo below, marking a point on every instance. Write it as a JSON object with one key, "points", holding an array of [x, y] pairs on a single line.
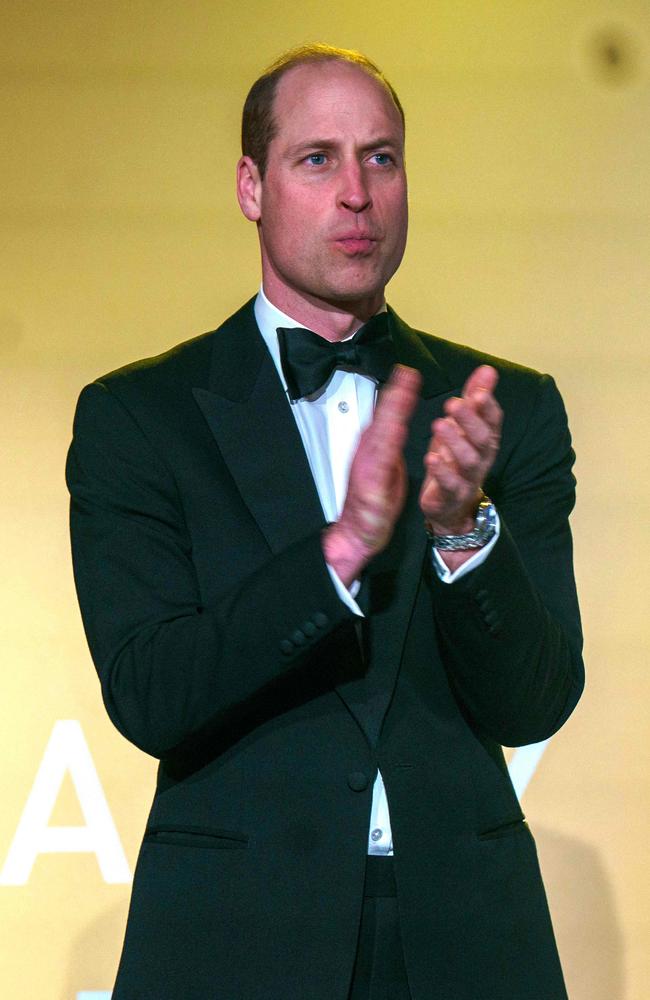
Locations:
{"points": [[196, 836], [504, 830]]}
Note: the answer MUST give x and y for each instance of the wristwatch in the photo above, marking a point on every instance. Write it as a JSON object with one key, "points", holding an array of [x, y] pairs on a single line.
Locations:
{"points": [[485, 527]]}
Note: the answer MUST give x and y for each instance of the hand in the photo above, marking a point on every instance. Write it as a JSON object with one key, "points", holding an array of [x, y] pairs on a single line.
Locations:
{"points": [[377, 483], [463, 446]]}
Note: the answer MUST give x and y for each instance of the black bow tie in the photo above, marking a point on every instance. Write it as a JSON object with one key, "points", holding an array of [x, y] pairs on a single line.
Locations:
{"points": [[309, 360]]}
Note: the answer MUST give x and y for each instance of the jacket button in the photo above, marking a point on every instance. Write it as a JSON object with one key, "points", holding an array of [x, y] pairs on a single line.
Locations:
{"points": [[298, 638], [320, 620], [286, 646], [358, 781], [309, 629]]}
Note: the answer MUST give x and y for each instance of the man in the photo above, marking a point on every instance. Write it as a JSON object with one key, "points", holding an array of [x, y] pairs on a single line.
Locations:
{"points": [[326, 635]]}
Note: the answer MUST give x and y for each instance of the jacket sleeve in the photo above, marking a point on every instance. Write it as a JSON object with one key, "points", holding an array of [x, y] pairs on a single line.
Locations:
{"points": [[510, 630], [171, 667]]}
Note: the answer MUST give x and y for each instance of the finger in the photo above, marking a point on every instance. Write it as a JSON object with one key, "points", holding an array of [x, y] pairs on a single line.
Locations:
{"points": [[395, 406], [487, 407], [482, 402], [380, 448], [436, 444], [484, 377], [464, 455], [438, 452], [479, 391], [450, 488], [481, 433], [400, 394]]}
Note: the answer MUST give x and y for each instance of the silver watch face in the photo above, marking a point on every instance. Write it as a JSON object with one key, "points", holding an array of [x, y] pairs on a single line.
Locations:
{"points": [[488, 515]]}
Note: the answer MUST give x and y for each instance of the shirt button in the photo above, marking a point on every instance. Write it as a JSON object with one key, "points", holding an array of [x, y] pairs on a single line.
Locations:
{"points": [[376, 835], [343, 406]]}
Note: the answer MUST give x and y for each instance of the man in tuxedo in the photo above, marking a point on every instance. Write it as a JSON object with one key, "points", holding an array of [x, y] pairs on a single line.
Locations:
{"points": [[324, 566]]}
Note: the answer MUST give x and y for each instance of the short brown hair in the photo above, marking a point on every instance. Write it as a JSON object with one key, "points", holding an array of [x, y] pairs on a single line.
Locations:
{"points": [[258, 125]]}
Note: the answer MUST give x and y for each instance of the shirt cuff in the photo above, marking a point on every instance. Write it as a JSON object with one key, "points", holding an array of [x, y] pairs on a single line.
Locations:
{"points": [[447, 576], [346, 595]]}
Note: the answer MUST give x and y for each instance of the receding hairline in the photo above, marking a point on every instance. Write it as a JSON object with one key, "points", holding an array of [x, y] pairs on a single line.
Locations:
{"points": [[315, 53], [333, 62]]}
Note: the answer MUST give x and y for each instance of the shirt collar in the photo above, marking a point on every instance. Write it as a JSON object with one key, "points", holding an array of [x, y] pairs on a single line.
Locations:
{"points": [[269, 318]]}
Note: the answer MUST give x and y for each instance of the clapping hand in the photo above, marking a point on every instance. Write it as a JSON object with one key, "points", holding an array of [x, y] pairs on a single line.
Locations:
{"points": [[377, 483], [462, 449]]}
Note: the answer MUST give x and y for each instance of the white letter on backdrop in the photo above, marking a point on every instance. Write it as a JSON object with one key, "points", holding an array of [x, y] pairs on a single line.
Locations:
{"points": [[66, 751]]}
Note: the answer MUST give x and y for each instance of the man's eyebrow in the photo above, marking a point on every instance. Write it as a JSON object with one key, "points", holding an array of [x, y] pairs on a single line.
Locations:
{"points": [[381, 142], [307, 144], [310, 144]]}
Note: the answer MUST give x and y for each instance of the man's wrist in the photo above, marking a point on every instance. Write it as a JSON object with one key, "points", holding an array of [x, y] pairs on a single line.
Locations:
{"points": [[476, 533], [461, 522], [459, 527], [345, 553]]}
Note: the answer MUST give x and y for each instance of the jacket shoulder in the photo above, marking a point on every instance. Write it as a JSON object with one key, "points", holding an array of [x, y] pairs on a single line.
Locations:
{"points": [[459, 361], [187, 363]]}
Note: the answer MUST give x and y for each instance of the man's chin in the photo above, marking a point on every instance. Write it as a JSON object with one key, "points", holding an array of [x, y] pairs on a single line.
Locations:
{"points": [[355, 288], [355, 300]]}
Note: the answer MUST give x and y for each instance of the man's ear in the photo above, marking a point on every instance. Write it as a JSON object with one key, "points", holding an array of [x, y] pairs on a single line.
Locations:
{"points": [[249, 189]]}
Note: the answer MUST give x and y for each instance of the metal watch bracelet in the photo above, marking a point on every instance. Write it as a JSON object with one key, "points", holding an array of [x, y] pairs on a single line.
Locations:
{"points": [[484, 529]]}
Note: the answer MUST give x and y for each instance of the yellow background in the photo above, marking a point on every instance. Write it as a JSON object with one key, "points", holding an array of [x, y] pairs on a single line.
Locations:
{"points": [[529, 157]]}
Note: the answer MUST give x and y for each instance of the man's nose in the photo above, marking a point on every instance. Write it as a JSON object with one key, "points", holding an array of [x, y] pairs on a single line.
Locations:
{"points": [[354, 191]]}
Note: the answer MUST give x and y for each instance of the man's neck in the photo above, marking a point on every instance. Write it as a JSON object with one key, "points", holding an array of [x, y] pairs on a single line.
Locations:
{"points": [[330, 321]]}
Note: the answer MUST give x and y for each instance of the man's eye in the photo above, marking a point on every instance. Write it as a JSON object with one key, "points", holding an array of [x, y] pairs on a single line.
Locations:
{"points": [[316, 159], [382, 159]]}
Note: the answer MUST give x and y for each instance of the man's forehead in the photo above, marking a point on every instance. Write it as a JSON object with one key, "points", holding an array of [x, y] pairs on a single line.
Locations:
{"points": [[319, 84]]}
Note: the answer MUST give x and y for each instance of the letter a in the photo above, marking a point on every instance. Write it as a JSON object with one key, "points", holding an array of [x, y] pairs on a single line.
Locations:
{"points": [[67, 751]]}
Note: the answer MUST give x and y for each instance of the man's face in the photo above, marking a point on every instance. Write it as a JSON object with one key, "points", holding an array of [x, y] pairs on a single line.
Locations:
{"points": [[332, 203]]}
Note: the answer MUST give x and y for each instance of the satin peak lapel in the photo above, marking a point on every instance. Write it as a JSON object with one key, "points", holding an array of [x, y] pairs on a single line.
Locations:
{"points": [[249, 415]]}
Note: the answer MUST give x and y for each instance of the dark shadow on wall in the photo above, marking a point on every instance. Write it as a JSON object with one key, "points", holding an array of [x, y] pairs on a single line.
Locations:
{"points": [[95, 953], [584, 917]]}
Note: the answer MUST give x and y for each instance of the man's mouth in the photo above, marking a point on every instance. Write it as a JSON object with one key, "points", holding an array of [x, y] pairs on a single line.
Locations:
{"points": [[356, 243]]}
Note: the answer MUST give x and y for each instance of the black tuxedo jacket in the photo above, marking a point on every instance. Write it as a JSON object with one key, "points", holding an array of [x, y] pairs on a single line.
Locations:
{"points": [[223, 649]]}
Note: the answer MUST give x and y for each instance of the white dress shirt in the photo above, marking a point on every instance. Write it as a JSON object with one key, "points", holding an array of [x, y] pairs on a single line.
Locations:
{"points": [[330, 423]]}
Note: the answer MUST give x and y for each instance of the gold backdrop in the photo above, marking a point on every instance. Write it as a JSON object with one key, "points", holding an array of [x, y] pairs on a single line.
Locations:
{"points": [[529, 155]]}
